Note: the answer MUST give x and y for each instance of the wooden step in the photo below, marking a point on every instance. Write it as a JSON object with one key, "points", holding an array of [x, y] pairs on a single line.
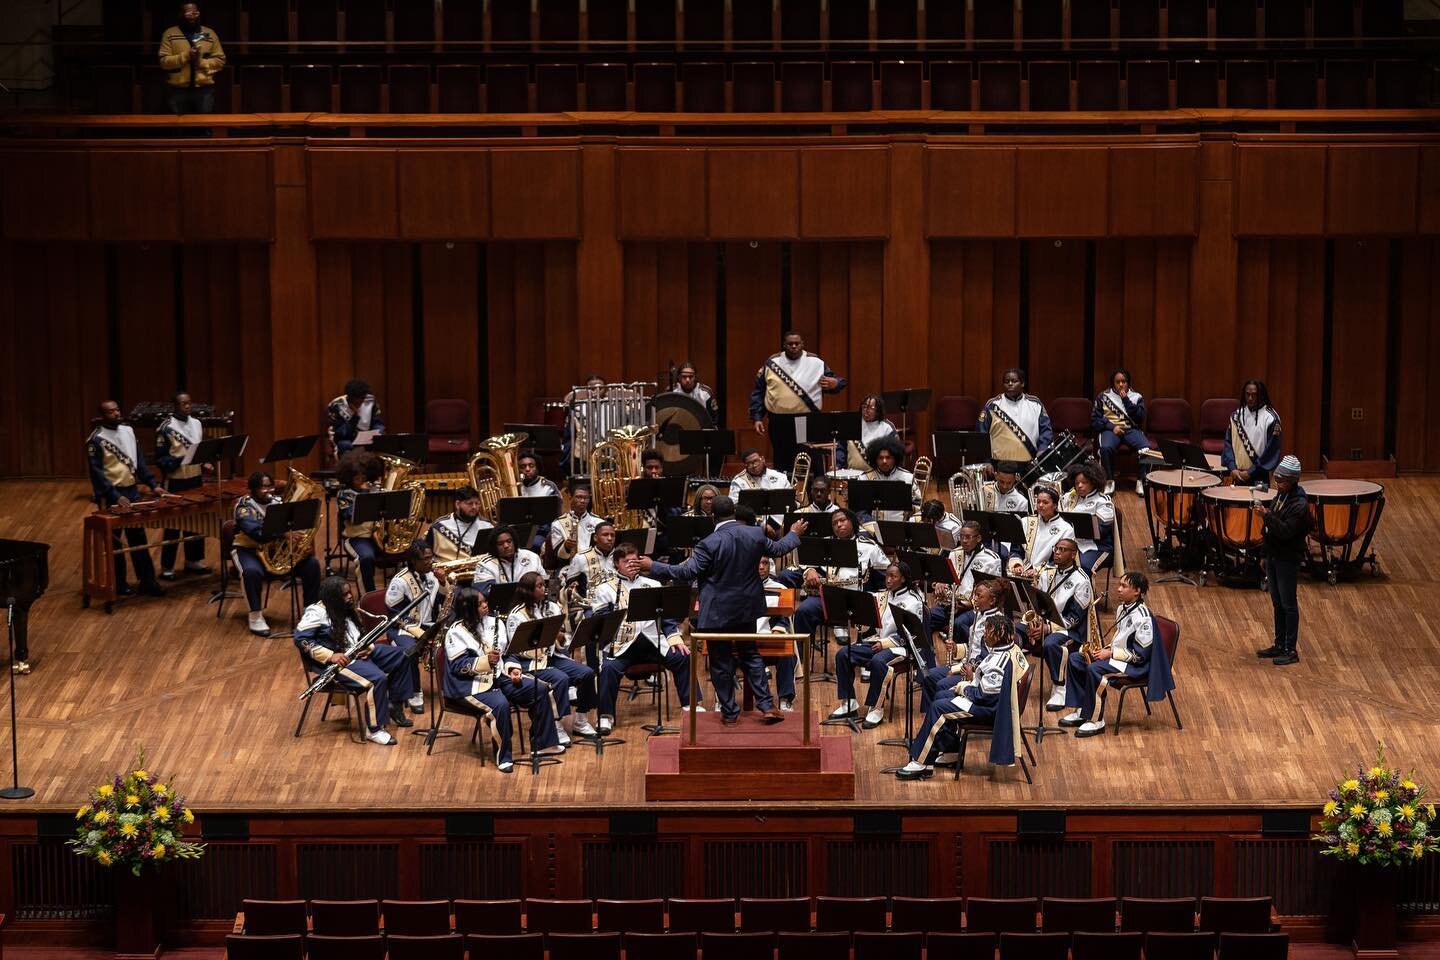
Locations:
{"points": [[750, 761]]}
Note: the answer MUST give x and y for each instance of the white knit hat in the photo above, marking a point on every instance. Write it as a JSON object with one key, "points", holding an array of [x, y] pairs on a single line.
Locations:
{"points": [[1289, 467]]}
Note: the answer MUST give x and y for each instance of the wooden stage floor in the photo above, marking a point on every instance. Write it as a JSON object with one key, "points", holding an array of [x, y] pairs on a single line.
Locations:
{"points": [[215, 707]]}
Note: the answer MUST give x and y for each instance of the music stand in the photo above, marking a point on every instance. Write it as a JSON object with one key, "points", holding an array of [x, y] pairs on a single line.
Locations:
{"points": [[848, 608], [969, 446], [414, 447], [905, 402], [686, 531], [530, 639], [828, 552], [543, 437], [1085, 525], [659, 603], [290, 448], [909, 628], [840, 427], [1001, 526], [707, 443], [901, 534], [1044, 604], [1181, 456], [600, 631], [214, 450], [819, 523], [283, 519], [500, 597], [769, 504], [25, 576], [434, 731], [527, 511], [657, 494], [642, 537]]}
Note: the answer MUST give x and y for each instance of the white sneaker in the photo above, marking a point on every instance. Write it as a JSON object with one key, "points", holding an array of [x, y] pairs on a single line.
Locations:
{"points": [[864, 674], [551, 751], [1057, 698], [258, 626], [581, 725], [167, 574], [1090, 727], [1139, 488], [1109, 487], [787, 706], [874, 718], [947, 759], [417, 702], [505, 767], [606, 725], [381, 737], [196, 567], [1074, 716], [847, 709], [560, 732], [695, 708]]}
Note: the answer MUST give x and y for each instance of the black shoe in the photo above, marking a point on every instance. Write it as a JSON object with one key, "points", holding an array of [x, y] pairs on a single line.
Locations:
{"points": [[151, 589], [922, 774], [397, 714], [1270, 652], [1067, 722], [1286, 658], [123, 590]]}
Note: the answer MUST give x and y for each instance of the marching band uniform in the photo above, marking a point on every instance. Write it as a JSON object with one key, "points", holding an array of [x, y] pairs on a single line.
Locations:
{"points": [[810, 612], [470, 677], [346, 424], [1128, 413], [705, 396], [980, 560], [496, 570], [853, 451], [901, 475], [1132, 649], [1041, 537], [969, 630], [1252, 442], [771, 479], [993, 501], [573, 526], [116, 465], [404, 587], [382, 677], [786, 389], [359, 538], [452, 538], [1092, 552], [861, 654], [1072, 592], [1019, 429], [249, 521], [556, 669], [623, 651], [997, 675], [538, 487], [172, 442]]}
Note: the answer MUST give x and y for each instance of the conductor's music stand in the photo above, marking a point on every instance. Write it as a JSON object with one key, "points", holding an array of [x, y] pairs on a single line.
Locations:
{"points": [[283, 519], [848, 609], [707, 444], [530, 639], [658, 604], [600, 631], [909, 628], [905, 402], [837, 554]]}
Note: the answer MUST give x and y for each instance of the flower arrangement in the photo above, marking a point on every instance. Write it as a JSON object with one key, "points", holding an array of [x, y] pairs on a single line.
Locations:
{"points": [[134, 819], [1378, 817]]}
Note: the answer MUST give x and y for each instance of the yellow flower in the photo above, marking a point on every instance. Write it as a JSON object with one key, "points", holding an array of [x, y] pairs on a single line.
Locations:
{"points": [[1383, 829], [105, 790], [127, 829], [158, 851], [160, 789], [102, 816], [189, 817], [1352, 848], [1407, 812], [1417, 851], [1349, 785], [1381, 796], [141, 775], [1377, 772], [1430, 810], [80, 814], [132, 800], [1408, 784], [162, 814], [103, 858], [1358, 810], [1330, 807]]}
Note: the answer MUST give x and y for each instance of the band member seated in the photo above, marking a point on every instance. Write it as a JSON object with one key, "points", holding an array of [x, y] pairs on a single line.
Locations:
{"points": [[116, 468], [970, 557], [982, 697], [884, 456], [1087, 496], [380, 674], [507, 563], [757, 476], [477, 672], [1133, 651], [970, 631], [352, 412], [593, 566], [687, 381], [1044, 529], [417, 579], [702, 503], [1118, 417], [1004, 494], [452, 537], [820, 501], [357, 473], [1018, 425], [551, 666], [933, 512], [532, 484], [636, 643], [1252, 442], [571, 532], [249, 521], [791, 384], [1069, 586], [876, 652], [873, 426], [173, 441]]}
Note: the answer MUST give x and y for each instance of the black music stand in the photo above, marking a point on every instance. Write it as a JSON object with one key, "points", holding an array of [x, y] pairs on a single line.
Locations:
{"points": [[500, 597], [909, 628], [819, 523], [527, 512], [434, 731], [530, 639], [1085, 525], [872, 496], [840, 427], [642, 537], [543, 437], [1001, 527], [601, 632], [968, 446], [659, 603], [905, 402], [849, 609], [215, 450], [1183, 457], [23, 577], [657, 494], [414, 447], [707, 444], [283, 519], [828, 552], [290, 448], [1043, 604], [901, 534], [684, 531], [769, 503]]}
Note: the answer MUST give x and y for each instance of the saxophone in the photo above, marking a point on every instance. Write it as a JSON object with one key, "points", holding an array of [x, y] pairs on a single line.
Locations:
{"points": [[395, 536], [1094, 638], [280, 555]]}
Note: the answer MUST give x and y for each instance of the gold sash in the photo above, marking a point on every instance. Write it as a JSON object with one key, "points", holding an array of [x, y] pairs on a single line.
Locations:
{"points": [[783, 395], [1007, 440], [1116, 415]]}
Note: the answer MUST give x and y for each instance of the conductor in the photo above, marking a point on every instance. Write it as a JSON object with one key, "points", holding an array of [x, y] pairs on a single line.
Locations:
{"points": [[732, 598]]}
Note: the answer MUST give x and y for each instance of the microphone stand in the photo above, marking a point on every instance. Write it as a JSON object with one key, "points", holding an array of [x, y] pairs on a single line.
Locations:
{"points": [[14, 791]]}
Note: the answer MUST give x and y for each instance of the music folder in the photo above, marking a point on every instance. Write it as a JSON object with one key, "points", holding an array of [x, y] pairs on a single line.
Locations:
{"points": [[1086, 525], [283, 518], [642, 537]]}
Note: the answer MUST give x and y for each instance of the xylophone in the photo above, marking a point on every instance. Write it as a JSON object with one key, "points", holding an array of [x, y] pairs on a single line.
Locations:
{"points": [[202, 511]]}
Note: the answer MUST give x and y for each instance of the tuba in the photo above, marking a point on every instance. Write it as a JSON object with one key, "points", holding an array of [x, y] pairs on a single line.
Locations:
{"points": [[395, 536], [967, 490], [280, 555], [495, 471], [614, 462], [800, 478]]}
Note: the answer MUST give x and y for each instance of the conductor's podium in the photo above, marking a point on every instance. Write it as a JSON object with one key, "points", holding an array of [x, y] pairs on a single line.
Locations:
{"points": [[752, 760]]}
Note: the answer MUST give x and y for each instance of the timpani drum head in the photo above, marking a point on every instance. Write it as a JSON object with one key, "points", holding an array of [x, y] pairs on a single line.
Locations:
{"points": [[1230, 517]]}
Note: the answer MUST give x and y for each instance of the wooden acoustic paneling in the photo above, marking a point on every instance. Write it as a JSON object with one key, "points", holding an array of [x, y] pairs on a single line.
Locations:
{"points": [[228, 195], [535, 193], [352, 194], [1280, 191], [669, 308], [531, 324], [661, 193], [971, 191], [1057, 318], [1371, 189], [975, 313], [1142, 320], [1417, 429], [837, 303], [444, 194], [1358, 328], [1153, 191], [1430, 189], [46, 194], [753, 193], [135, 194], [1062, 191], [845, 192]]}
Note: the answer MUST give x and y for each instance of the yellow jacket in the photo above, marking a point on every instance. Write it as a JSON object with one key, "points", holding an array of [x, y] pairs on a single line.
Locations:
{"points": [[175, 57]]}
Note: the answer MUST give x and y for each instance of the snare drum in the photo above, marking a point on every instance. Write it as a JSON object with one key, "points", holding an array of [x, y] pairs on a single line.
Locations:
{"points": [[1344, 515], [840, 484], [1227, 512]]}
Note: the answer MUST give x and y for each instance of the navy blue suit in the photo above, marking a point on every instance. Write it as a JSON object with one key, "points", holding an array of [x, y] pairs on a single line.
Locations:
{"points": [[726, 564]]}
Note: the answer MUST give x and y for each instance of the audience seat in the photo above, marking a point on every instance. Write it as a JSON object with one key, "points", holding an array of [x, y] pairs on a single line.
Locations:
{"points": [[605, 87]]}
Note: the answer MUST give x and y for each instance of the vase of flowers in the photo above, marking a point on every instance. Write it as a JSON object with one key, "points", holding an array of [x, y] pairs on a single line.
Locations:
{"points": [[1376, 823], [130, 822]]}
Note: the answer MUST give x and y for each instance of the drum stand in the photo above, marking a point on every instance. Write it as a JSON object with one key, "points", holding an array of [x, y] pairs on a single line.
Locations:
{"points": [[1184, 534]]}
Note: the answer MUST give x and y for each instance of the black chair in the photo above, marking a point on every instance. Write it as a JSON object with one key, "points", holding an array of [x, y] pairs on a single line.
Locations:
{"points": [[872, 945], [605, 85], [311, 88], [416, 918], [408, 86], [961, 946], [488, 917], [999, 84], [1346, 84], [1254, 946], [950, 85], [738, 946], [927, 914], [641, 945], [968, 728], [1090, 21], [852, 87], [583, 946], [901, 85], [752, 88], [774, 913], [1180, 946], [703, 87], [1247, 85], [266, 918], [624, 916], [559, 916], [802, 87], [1170, 637], [1147, 85], [458, 88], [345, 918], [1295, 84], [513, 946], [507, 88], [1106, 946], [701, 916], [354, 710], [1235, 914], [114, 88], [1168, 915], [1097, 85], [996, 915], [242, 946], [319, 947], [1397, 85], [557, 88], [850, 913], [1065, 915], [1049, 85], [360, 86], [655, 88], [1197, 84], [447, 946], [1034, 946], [262, 88], [824, 945]]}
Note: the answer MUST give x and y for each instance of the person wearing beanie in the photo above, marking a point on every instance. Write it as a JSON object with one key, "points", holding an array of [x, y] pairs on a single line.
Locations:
{"points": [[1286, 521]]}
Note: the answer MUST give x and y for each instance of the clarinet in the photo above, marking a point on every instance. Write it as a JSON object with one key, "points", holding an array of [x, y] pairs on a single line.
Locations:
{"points": [[361, 643]]}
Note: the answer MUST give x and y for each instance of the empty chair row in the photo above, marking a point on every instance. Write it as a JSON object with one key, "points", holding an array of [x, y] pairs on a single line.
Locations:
{"points": [[819, 945], [607, 22], [796, 86], [838, 914]]}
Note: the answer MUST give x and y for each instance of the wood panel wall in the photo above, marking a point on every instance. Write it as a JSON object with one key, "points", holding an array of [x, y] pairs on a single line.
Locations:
{"points": [[263, 275]]}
